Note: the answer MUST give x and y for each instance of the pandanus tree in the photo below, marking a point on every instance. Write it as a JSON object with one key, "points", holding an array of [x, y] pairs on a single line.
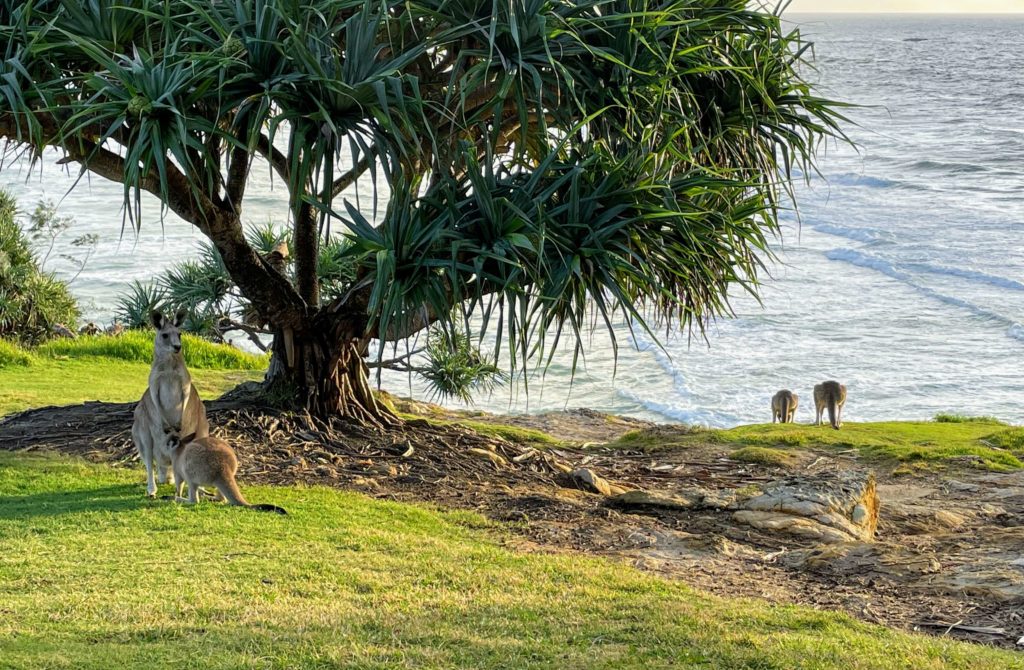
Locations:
{"points": [[539, 166]]}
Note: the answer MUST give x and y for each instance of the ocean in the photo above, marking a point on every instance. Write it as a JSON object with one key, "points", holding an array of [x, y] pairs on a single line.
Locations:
{"points": [[902, 274]]}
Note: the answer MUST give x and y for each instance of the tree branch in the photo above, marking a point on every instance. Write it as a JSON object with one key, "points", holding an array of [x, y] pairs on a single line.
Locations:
{"points": [[278, 161], [186, 202], [269, 291], [238, 173], [393, 361], [228, 325], [349, 178]]}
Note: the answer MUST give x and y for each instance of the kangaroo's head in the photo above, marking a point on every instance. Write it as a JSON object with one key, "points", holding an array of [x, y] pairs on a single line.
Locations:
{"points": [[168, 333], [174, 440]]}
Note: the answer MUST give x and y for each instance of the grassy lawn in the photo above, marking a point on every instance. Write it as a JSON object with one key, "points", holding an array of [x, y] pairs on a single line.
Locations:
{"points": [[92, 575], [995, 445], [114, 369]]}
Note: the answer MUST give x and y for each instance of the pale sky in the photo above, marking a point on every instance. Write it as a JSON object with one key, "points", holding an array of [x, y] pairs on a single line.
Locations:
{"points": [[931, 6]]}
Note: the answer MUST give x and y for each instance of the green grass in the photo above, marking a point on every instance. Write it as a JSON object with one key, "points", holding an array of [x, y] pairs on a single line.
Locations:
{"points": [[93, 575], [529, 436], [11, 354], [137, 346], [992, 444], [961, 418], [763, 456], [111, 369], [525, 436]]}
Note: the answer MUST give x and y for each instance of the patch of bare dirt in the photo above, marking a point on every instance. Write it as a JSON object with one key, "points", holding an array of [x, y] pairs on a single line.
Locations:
{"points": [[947, 557]]}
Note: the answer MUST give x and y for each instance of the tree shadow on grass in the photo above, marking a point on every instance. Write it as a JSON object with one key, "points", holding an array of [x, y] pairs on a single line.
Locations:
{"points": [[117, 498]]}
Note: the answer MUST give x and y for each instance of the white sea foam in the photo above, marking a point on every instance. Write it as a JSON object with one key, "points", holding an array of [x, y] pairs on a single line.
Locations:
{"points": [[691, 417]]}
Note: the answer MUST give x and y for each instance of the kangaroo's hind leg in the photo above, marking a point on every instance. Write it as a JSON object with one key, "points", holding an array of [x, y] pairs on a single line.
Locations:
{"points": [[179, 487], [162, 446], [144, 445], [163, 472]]}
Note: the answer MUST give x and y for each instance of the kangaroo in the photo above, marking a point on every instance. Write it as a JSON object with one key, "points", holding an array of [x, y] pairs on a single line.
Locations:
{"points": [[830, 395], [784, 405], [170, 405], [208, 461]]}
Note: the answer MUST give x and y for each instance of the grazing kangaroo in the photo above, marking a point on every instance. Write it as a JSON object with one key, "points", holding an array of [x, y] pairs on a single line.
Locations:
{"points": [[170, 405], [208, 461], [784, 406], [830, 395]]}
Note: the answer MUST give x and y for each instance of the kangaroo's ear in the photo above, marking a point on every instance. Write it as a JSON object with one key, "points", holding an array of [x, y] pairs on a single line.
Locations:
{"points": [[188, 438], [157, 318], [179, 317]]}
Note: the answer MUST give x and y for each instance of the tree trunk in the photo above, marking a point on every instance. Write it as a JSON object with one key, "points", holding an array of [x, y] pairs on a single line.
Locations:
{"points": [[323, 369]]}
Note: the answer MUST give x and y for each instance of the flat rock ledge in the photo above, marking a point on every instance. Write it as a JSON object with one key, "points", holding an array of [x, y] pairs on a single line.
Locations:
{"points": [[828, 508]]}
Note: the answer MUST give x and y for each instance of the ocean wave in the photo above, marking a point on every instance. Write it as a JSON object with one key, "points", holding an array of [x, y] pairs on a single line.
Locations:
{"points": [[672, 411], [950, 167], [1014, 329], [690, 417], [643, 343], [984, 277], [867, 261], [869, 235], [852, 179]]}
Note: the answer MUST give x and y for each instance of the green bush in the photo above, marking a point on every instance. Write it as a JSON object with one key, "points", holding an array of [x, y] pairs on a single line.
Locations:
{"points": [[32, 302], [134, 306], [137, 345]]}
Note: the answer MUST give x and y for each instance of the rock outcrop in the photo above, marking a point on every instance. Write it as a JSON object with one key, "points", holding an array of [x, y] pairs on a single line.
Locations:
{"points": [[828, 508]]}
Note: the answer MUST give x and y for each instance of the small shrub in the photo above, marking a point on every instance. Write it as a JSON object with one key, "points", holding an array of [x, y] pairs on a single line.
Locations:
{"points": [[32, 302], [457, 369], [134, 307]]}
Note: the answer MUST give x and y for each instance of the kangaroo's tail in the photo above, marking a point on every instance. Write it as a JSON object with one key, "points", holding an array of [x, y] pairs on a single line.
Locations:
{"points": [[229, 489], [784, 409], [832, 401], [268, 508]]}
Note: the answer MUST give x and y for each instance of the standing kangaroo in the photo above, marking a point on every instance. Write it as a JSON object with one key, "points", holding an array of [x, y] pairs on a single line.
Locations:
{"points": [[784, 406], [830, 395], [170, 405], [208, 461]]}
